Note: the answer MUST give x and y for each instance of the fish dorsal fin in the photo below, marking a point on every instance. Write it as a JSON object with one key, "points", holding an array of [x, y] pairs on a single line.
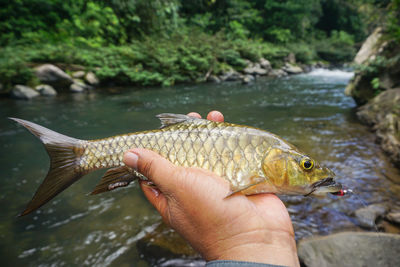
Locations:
{"points": [[168, 119]]}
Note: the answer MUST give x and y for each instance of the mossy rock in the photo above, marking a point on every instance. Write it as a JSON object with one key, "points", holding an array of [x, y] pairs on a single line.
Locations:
{"points": [[165, 244]]}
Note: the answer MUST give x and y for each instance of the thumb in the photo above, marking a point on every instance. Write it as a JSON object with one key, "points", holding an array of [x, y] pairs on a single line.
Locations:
{"points": [[156, 168]]}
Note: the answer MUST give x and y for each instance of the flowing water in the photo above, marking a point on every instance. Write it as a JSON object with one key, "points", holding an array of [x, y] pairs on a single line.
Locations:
{"points": [[308, 110]]}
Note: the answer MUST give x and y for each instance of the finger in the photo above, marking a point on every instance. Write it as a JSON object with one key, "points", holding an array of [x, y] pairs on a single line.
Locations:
{"points": [[215, 116], [156, 168], [194, 114], [155, 197]]}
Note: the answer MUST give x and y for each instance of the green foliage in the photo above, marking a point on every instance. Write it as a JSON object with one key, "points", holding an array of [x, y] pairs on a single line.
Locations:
{"points": [[279, 35], [378, 65], [304, 53], [375, 83], [339, 47], [394, 20], [151, 42], [285, 21], [345, 16], [13, 69], [373, 67], [20, 17], [98, 25]]}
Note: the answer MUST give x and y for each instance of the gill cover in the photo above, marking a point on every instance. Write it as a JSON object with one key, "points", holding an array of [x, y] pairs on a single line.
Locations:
{"points": [[275, 166], [292, 172]]}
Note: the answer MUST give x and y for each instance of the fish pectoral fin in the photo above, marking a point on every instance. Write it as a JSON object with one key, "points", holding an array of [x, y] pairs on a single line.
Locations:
{"points": [[251, 180], [168, 119], [115, 178]]}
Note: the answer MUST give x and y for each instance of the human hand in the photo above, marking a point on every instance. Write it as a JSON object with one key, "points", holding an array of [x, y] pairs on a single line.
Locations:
{"points": [[193, 201]]}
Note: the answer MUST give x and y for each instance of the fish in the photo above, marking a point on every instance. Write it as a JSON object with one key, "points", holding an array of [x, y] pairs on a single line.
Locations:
{"points": [[253, 160]]}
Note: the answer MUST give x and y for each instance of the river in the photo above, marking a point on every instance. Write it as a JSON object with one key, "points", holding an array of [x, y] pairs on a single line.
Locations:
{"points": [[309, 110]]}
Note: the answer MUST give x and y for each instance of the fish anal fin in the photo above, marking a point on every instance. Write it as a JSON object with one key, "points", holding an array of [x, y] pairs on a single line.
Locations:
{"points": [[115, 178], [249, 181]]}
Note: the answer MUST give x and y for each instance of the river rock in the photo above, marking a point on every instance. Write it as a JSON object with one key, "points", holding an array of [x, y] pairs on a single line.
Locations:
{"points": [[394, 217], [383, 114], [91, 78], [213, 79], [248, 79], [23, 92], [292, 69], [46, 90], [230, 75], [351, 249], [359, 88], [291, 58], [255, 69], [78, 86], [275, 73], [265, 64], [368, 215], [369, 47], [54, 76], [384, 75], [163, 245], [78, 74]]}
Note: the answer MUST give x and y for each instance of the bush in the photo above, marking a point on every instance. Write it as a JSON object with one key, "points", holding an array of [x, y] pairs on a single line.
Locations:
{"points": [[304, 53], [13, 69], [339, 47]]}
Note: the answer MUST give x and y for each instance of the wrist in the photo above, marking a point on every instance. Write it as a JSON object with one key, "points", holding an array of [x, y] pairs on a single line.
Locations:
{"points": [[277, 248]]}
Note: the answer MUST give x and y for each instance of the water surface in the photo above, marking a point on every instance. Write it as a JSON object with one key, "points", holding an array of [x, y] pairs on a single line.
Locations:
{"points": [[308, 110]]}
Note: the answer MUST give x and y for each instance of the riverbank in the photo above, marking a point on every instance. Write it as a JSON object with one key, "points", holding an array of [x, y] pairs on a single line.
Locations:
{"points": [[376, 89], [194, 58]]}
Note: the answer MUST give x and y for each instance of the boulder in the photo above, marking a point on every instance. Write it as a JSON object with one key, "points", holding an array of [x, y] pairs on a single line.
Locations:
{"points": [[382, 113], [23, 92], [368, 215], [394, 217], [78, 86], [163, 246], [54, 76], [277, 73], [265, 64], [292, 69], [230, 75], [91, 78], [213, 78], [291, 58], [248, 79], [359, 88], [351, 249], [78, 74], [383, 75], [255, 69], [46, 90], [369, 47]]}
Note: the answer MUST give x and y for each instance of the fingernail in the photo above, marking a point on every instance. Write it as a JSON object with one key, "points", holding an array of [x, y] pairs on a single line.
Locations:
{"points": [[152, 187], [148, 183], [131, 159]]}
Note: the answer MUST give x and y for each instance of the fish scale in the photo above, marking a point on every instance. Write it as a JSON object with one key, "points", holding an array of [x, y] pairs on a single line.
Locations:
{"points": [[186, 144], [252, 160]]}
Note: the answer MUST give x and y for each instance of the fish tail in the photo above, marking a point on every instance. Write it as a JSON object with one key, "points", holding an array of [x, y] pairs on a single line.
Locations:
{"points": [[65, 154]]}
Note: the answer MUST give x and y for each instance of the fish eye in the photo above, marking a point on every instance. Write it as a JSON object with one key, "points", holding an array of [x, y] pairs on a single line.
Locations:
{"points": [[307, 164]]}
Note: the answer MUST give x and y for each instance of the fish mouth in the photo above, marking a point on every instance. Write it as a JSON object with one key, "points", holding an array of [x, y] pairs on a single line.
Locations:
{"points": [[326, 185]]}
